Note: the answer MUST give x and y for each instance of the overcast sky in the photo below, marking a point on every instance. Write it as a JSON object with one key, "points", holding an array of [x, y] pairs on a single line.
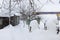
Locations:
{"points": [[42, 1], [1, 1]]}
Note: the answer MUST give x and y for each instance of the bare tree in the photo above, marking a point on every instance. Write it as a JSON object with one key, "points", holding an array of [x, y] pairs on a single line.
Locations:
{"points": [[30, 14]]}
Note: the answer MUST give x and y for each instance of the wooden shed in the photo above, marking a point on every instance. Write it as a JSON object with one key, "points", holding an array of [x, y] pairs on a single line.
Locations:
{"points": [[4, 21], [14, 20]]}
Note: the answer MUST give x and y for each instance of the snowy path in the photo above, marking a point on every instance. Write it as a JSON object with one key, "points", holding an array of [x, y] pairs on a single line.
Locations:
{"points": [[23, 34]]}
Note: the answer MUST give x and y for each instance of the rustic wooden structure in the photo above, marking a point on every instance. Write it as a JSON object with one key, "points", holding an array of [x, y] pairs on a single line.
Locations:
{"points": [[14, 20], [4, 21]]}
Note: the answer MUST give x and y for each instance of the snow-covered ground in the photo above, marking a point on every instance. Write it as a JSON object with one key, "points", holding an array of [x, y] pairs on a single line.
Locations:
{"points": [[19, 32], [22, 33]]}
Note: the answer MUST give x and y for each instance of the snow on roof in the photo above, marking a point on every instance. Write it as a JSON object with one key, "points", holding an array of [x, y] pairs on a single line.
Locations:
{"points": [[7, 14]]}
